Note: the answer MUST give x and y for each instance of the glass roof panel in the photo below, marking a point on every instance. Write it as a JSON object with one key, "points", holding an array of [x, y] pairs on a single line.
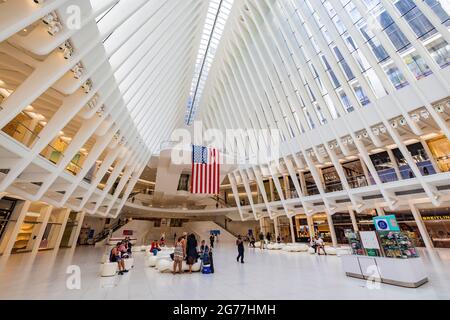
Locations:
{"points": [[216, 18]]}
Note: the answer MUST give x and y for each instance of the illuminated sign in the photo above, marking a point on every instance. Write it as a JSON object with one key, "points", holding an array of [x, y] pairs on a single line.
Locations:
{"points": [[432, 218]]}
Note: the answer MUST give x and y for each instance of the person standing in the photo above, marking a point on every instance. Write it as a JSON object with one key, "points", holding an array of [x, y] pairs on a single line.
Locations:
{"points": [[175, 238], [211, 240], [240, 247], [252, 241], [191, 251], [178, 256], [261, 240], [269, 237]]}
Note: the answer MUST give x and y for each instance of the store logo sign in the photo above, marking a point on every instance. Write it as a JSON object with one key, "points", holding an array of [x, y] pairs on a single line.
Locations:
{"points": [[386, 223], [431, 218]]}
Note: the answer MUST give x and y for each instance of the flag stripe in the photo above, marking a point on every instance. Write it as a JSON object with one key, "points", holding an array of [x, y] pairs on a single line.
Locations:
{"points": [[205, 177]]}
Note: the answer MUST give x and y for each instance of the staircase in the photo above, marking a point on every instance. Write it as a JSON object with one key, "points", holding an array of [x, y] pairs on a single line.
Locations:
{"points": [[108, 231], [203, 228]]}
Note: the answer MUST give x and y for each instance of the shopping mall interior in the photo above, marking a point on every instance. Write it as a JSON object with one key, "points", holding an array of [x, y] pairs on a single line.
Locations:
{"points": [[311, 136]]}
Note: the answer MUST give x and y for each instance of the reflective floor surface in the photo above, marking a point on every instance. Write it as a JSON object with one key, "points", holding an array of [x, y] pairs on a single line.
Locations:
{"points": [[265, 275]]}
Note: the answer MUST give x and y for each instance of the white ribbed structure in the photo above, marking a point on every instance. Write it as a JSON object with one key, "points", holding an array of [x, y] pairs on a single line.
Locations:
{"points": [[341, 80], [90, 89]]}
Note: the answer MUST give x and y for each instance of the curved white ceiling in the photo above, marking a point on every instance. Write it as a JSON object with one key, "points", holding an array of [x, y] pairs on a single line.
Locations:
{"points": [[153, 55]]}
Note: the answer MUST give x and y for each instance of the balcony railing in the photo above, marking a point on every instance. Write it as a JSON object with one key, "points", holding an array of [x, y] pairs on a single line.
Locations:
{"points": [[333, 186], [74, 168], [21, 133], [52, 154]]}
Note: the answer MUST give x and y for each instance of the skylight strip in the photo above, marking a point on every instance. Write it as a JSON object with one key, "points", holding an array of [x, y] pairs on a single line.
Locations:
{"points": [[215, 21]]}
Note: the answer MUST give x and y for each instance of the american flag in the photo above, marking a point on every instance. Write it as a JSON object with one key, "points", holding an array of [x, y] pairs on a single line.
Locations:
{"points": [[205, 178]]}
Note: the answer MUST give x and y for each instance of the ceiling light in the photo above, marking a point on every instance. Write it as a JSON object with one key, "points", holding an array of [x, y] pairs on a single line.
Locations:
{"points": [[425, 114]]}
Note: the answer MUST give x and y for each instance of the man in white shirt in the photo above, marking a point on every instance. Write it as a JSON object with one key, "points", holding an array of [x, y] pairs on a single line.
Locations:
{"points": [[319, 245]]}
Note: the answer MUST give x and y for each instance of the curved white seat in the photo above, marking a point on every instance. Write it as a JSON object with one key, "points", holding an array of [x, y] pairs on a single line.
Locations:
{"points": [[330, 251], [136, 249], [164, 265], [195, 267], [129, 263], [151, 261], [296, 248], [109, 269], [105, 258], [311, 250], [343, 251]]}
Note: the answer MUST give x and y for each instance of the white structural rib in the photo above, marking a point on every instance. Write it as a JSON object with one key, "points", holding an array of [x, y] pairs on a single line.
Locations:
{"points": [[340, 80], [97, 86]]}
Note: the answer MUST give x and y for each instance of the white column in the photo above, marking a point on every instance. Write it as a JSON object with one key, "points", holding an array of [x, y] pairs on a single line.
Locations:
{"points": [[332, 231], [45, 212], [422, 229], [353, 218], [291, 226], [312, 232], [394, 164], [11, 234], [275, 226], [77, 231], [65, 213], [365, 170], [301, 176]]}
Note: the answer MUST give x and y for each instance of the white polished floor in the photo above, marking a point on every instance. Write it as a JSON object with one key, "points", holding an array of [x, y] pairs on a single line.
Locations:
{"points": [[265, 275]]}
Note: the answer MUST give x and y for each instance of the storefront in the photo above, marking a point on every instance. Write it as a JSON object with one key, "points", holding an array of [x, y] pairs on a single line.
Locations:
{"points": [[440, 149], [437, 223], [6, 209], [301, 228], [321, 227]]}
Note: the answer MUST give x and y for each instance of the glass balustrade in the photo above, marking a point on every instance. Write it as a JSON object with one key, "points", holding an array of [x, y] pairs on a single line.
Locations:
{"points": [[21, 133]]}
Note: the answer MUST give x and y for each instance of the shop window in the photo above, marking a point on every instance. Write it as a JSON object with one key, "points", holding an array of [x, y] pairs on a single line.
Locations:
{"points": [[437, 223], [24, 129], [6, 209], [383, 165], [440, 149], [355, 174], [342, 222], [331, 179], [420, 157], [302, 229], [183, 184], [311, 187]]}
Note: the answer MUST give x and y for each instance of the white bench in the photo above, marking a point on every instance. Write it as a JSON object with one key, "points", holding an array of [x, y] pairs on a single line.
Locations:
{"points": [[109, 269], [129, 263], [164, 265], [136, 249], [343, 251], [293, 247]]}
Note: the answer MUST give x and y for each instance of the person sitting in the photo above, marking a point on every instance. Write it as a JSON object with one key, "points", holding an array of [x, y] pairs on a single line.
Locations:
{"points": [[252, 241], [123, 250], [128, 245], [320, 245], [155, 247], [116, 256], [312, 244]]}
